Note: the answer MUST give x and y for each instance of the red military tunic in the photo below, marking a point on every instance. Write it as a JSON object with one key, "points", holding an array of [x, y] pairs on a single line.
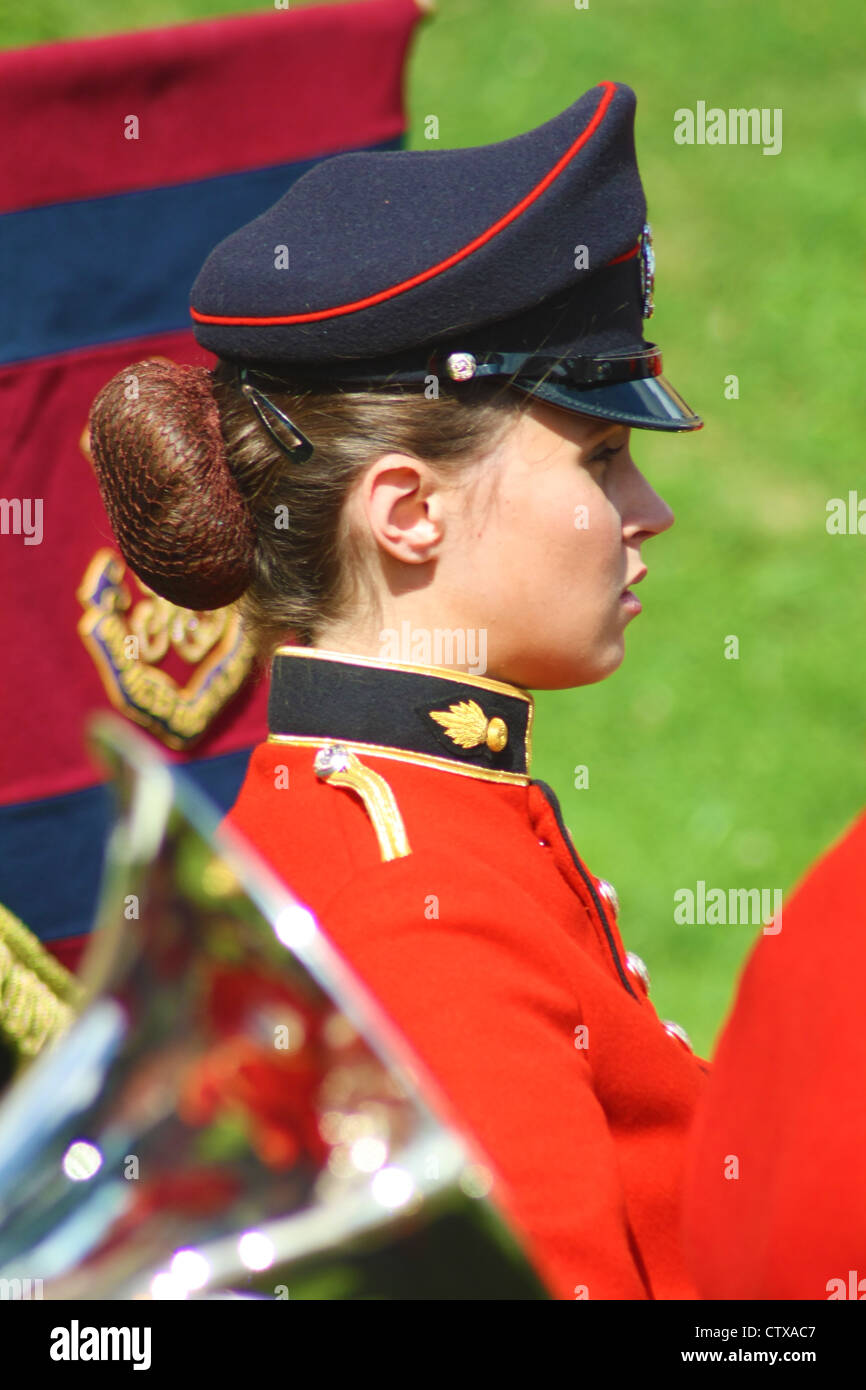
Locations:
{"points": [[787, 1101], [449, 883]]}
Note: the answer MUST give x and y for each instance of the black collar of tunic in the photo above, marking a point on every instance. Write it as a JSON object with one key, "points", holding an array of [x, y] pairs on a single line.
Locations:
{"points": [[428, 714]]}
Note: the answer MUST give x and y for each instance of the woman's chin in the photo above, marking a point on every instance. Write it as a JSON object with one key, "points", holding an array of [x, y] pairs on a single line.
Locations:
{"points": [[559, 671], [604, 666]]}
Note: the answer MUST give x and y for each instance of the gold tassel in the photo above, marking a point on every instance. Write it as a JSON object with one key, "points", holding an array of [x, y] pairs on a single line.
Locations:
{"points": [[39, 998]]}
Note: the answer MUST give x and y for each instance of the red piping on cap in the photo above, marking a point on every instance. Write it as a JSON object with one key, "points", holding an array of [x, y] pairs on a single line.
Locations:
{"points": [[531, 197], [627, 256]]}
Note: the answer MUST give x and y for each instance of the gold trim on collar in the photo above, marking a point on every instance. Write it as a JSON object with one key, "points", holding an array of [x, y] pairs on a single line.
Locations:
{"points": [[443, 673], [405, 755], [450, 673]]}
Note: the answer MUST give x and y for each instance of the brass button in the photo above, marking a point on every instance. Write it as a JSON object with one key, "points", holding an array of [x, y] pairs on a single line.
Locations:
{"points": [[333, 757], [497, 734], [460, 366], [679, 1033], [608, 892], [637, 967]]}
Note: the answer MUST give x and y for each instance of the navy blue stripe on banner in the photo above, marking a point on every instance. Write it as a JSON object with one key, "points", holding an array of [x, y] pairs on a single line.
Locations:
{"points": [[51, 851], [104, 269]]}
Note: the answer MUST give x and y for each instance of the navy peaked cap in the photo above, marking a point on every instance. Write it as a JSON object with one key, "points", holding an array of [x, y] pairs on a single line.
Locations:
{"points": [[529, 259]]}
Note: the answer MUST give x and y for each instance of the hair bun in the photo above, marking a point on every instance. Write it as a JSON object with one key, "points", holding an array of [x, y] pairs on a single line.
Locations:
{"points": [[160, 459]]}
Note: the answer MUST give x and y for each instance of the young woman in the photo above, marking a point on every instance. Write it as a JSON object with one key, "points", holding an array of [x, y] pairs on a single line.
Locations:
{"points": [[413, 464]]}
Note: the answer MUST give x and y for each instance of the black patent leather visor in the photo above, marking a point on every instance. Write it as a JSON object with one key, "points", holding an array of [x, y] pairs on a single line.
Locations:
{"points": [[624, 385], [649, 403]]}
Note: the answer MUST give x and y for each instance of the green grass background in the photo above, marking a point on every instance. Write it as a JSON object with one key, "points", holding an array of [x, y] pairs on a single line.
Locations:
{"points": [[734, 772]]}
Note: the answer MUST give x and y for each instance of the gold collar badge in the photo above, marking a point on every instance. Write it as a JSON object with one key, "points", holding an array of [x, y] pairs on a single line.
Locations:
{"points": [[467, 725]]}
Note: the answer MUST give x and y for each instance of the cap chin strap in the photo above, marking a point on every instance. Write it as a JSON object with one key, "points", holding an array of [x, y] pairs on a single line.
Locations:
{"points": [[600, 369]]}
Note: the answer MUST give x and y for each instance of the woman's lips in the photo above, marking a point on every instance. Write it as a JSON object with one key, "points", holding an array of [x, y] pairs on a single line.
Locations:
{"points": [[628, 598]]}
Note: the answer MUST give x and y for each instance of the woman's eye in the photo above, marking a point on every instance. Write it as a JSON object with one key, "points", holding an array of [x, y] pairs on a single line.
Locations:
{"points": [[605, 455]]}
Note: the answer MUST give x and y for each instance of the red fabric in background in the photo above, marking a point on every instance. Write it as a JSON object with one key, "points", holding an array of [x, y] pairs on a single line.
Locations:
{"points": [[224, 96], [53, 682], [69, 951], [266, 88]]}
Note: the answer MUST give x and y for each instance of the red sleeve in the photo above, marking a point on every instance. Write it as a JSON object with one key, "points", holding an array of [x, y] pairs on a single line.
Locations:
{"points": [[487, 1004]]}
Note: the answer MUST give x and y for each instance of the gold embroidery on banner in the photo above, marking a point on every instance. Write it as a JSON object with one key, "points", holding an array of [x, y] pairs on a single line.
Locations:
{"points": [[126, 642]]}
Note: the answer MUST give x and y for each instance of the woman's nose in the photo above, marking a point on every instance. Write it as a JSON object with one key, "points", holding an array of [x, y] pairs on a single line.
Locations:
{"points": [[647, 514]]}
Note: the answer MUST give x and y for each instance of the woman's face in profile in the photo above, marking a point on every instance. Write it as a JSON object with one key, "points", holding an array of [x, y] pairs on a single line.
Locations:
{"points": [[550, 540], [528, 553]]}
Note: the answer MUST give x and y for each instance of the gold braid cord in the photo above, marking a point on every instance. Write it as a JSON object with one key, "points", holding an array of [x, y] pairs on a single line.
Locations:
{"points": [[379, 802], [39, 997]]}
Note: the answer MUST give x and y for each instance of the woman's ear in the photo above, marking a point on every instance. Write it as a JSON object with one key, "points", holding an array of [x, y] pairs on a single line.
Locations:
{"points": [[401, 502]]}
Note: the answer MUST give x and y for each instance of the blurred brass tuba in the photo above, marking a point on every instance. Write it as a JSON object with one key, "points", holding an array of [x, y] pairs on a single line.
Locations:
{"points": [[230, 1113]]}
